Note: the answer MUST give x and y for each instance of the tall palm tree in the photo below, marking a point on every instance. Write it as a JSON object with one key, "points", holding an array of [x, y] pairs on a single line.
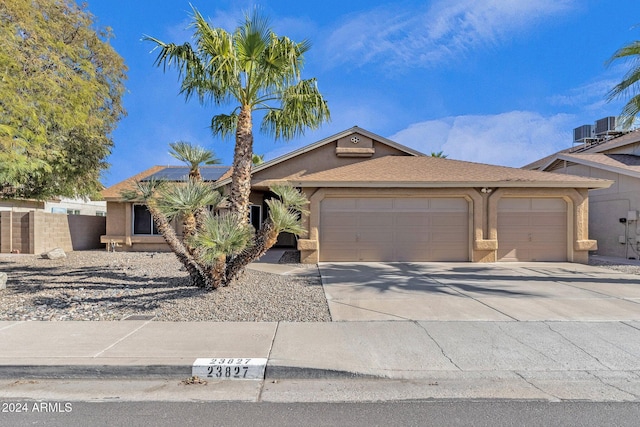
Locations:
{"points": [[254, 70], [630, 84]]}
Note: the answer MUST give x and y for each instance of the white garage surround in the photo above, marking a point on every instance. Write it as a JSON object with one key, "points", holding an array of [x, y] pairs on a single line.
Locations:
{"points": [[394, 229]]}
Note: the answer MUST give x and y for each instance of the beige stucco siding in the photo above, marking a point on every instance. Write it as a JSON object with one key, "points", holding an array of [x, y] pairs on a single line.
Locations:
{"points": [[607, 206], [319, 159]]}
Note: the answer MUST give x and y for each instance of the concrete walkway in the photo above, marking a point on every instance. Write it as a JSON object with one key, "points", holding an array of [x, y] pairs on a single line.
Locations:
{"points": [[487, 345]]}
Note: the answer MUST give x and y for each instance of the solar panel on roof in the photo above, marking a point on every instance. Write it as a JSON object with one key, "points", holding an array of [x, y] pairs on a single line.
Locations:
{"points": [[181, 173]]}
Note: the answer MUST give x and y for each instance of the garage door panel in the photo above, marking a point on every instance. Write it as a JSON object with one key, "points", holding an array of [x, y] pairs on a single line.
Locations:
{"points": [[340, 234], [421, 229], [553, 205], [338, 219], [407, 204], [410, 219], [374, 235], [338, 204], [412, 237], [549, 220], [374, 220], [374, 204], [449, 205], [532, 229], [450, 220]]}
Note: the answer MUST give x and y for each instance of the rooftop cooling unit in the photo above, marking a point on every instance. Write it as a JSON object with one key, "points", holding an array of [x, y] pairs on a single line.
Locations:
{"points": [[582, 133], [605, 126]]}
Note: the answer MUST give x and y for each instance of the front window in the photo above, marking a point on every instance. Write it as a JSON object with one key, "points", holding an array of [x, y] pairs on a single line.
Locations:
{"points": [[142, 221]]}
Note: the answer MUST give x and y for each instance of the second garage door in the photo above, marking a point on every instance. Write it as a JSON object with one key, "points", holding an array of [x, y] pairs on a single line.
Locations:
{"points": [[532, 229], [394, 229]]}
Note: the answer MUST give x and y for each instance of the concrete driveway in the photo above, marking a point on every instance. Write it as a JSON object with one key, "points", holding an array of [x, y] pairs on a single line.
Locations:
{"points": [[479, 292]]}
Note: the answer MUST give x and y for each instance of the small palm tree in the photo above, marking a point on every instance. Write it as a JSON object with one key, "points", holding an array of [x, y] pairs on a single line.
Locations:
{"points": [[193, 156], [147, 192], [187, 201], [439, 154], [220, 237], [630, 85]]}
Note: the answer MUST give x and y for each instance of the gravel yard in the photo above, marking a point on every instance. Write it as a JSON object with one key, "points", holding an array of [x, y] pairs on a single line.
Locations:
{"points": [[99, 285]]}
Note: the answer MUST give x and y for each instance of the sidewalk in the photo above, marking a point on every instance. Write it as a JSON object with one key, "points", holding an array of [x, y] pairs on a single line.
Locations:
{"points": [[545, 360]]}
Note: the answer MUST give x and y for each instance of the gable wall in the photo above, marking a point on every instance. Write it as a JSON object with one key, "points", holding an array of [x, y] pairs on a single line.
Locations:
{"points": [[319, 159]]}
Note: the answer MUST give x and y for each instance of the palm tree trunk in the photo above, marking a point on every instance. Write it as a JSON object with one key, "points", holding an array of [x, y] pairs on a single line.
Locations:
{"points": [[197, 275], [242, 162], [265, 238]]}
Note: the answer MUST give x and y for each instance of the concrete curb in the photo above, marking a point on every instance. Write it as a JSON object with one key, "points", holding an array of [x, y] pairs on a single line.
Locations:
{"points": [[159, 371]]}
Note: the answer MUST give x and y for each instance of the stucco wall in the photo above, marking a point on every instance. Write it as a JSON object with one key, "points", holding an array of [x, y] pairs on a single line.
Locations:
{"points": [[319, 159], [607, 206]]}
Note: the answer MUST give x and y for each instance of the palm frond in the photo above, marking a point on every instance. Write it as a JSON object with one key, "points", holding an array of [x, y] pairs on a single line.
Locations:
{"points": [[181, 199], [222, 235], [224, 125], [291, 197], [284, 219], [143, 190], [192, 155], [630, 84], [302, 107]]}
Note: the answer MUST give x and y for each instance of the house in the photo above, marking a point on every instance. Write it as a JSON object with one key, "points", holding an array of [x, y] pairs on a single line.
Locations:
{"points": [[372, 199], [605, 153], [64, 205]]}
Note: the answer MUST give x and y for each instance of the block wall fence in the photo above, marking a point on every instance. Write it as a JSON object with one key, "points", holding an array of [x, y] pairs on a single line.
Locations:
{"points": [[36, 232]]}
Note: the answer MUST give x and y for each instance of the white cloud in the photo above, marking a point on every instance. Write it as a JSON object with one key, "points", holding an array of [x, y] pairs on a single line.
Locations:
{"points": [[447, 29], [512, 139]]}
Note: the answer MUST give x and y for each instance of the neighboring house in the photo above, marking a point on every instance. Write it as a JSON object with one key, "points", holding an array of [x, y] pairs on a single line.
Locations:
{"points": [[613, 211], [372, 199], [33, 226], [59, 205]]}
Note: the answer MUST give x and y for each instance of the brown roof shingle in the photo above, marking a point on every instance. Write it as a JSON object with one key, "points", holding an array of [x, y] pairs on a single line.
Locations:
{"points": [[438, 172], [115, 191]]}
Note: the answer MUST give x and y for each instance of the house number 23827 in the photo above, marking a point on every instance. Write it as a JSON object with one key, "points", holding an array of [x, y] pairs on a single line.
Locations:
{"points": [[227, 371]]}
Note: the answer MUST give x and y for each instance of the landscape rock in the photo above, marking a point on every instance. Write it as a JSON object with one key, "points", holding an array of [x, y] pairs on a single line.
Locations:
{"points": [[56, 253], [3, 280]]}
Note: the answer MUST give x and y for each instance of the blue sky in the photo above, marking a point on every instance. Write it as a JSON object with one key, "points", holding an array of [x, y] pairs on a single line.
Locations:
{"points": [[493, 81]]}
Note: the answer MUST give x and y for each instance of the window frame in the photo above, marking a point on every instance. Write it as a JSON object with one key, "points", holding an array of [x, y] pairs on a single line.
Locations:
{"points": [[154, 227]]}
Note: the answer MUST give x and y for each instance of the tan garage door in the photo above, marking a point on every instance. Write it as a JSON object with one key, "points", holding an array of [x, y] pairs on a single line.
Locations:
{"points": [[394, 229], [531, 229]]}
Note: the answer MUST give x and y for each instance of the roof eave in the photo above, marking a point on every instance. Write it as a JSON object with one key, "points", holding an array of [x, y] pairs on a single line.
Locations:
{"points": [[479, 184], [595, 164]]}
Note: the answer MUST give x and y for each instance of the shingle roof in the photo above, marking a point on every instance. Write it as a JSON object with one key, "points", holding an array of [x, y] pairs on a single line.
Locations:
{"points": [[171, 173], [619, 141], [407, 171], [114, 192]]}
